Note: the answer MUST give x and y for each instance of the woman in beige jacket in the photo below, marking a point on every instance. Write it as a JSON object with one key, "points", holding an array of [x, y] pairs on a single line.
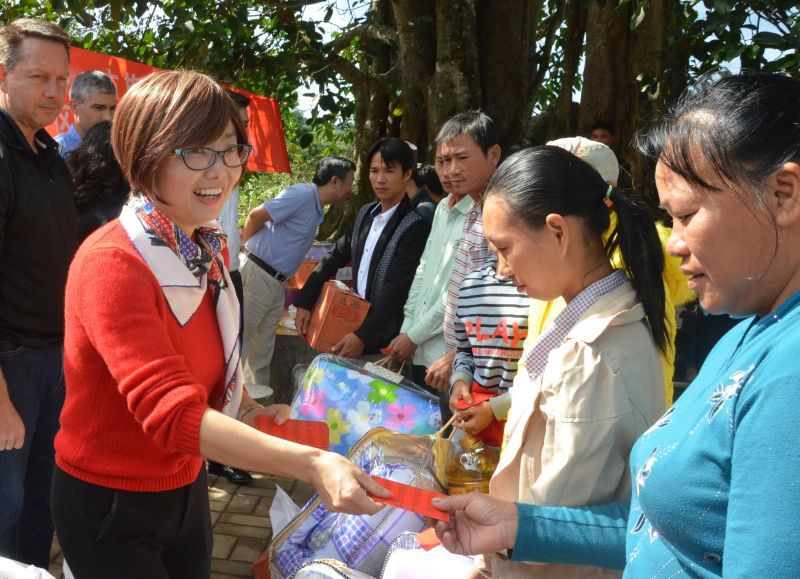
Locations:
{"points": [[592, 381]]}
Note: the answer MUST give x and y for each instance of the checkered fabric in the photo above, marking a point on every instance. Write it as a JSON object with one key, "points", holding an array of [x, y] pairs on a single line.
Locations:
{"points": [[472, 252], [536, 358]]}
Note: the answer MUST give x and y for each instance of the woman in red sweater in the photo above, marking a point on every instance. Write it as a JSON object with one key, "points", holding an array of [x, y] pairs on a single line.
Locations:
{"points": [[151, 352]]}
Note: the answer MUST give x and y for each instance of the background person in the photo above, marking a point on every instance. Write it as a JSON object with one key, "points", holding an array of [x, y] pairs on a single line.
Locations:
{"points": [[277, 235], [38, 238], [152, 347], [467, 156], [428, 191], [714, 489], [92, 98], [229, 221], [100, 186], [421, 339], [604, 132], [384, 244]]}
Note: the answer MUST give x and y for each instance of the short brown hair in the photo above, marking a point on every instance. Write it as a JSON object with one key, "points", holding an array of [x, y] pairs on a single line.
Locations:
{"points": [[164, 111], [12, 34]]}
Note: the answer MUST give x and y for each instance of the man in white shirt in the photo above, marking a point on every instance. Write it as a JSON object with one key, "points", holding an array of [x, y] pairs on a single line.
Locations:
{"points": [[384, 245]]}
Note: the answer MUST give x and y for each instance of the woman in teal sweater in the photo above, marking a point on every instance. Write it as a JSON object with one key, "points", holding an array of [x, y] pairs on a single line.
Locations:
{"points": [[716, 479]]}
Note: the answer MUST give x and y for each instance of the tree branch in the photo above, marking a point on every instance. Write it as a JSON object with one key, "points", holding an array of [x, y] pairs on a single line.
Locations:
{"points": [[385, 34], [290, 4], [551, 26]]}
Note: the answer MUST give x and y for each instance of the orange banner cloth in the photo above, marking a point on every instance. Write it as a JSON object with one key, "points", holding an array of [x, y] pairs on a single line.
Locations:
{"points": [[265, 131]]}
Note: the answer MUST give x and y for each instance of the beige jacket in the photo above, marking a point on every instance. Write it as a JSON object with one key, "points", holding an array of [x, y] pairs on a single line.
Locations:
{"points": [[570, 432]]}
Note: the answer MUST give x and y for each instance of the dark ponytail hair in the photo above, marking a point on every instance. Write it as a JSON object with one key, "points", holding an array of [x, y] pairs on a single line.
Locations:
{"points": [[538, 181]]}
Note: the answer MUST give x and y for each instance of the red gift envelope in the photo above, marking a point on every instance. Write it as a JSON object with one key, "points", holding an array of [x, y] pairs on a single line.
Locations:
{"points": [[477, 398], [427, 539], [308, 432], [411, 499]]}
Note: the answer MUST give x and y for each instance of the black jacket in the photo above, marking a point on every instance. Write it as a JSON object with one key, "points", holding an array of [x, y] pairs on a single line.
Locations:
{"points": [[38, 237], [391, 271]]}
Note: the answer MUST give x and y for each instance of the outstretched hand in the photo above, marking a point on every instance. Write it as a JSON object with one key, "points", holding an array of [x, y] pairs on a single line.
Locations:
{"points": [[478, 524], [343, 486]]}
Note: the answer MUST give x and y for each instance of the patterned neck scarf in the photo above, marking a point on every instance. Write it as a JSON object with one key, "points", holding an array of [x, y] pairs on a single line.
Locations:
{"points": [[200, 256], [185, 269]]}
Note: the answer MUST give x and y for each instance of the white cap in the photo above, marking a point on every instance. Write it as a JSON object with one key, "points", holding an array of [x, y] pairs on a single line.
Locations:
{"points": [[598, 155]]}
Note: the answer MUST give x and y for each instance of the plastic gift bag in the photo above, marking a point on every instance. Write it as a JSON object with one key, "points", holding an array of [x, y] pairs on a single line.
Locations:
{"points": [[352, 400], [360, 542], [282, 510]]}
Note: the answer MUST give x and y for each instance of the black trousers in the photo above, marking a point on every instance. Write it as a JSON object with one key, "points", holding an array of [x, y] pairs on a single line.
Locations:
{"points": [[132, 535], [418, 376]]}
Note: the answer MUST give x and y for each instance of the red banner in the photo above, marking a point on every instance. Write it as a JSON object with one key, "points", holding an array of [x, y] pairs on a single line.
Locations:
{"points": [[265, 131]]}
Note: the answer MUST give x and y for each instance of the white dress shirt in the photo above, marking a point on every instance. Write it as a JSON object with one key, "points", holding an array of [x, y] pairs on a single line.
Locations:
{"points": [[379, 221]]}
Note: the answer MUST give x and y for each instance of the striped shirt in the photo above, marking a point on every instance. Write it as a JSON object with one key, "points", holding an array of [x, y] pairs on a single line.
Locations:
{"points": [[491, 323], [473, 251]]}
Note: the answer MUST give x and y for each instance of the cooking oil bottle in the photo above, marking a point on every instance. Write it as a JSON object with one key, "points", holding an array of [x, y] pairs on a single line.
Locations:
{"points": [[472, 467]]}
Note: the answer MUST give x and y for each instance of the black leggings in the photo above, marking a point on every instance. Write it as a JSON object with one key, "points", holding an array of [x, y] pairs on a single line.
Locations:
{"points": [[124, 534]]}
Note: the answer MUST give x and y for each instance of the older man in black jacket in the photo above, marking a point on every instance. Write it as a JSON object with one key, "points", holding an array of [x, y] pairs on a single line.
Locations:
{"points": [[38, 237], [384, 246]]}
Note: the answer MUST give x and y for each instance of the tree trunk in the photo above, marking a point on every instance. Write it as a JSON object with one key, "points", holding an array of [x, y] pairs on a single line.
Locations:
{"points": [[620, 63], [505, 31], [565, 119], [416, 59], [455, 86], [372, 97]]}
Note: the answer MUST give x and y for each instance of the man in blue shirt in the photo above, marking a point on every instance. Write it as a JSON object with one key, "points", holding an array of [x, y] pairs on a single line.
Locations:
{"points": [[277, 236], [93, 98]]}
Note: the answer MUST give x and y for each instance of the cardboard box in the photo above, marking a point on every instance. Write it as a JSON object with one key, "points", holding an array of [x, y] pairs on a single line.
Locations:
{"points": [[298, 280], [338, 312]]}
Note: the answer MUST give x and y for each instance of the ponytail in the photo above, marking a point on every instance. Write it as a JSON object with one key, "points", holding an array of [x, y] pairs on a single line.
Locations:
{"points": [[538, 181], [638, 242]]}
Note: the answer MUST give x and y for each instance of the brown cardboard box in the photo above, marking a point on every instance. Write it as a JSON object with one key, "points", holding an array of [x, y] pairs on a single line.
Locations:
{"points": [[338, 312], [300, 277]]}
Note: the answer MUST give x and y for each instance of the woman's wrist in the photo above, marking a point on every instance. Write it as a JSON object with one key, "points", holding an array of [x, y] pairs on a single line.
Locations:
{"points": [[511, 525]]}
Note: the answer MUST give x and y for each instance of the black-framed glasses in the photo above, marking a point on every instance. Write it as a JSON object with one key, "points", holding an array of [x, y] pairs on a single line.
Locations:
{"points": [[201, 158]]}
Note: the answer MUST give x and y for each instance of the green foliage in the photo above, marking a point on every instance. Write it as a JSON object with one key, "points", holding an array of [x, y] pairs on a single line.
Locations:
{"points": [[326, 139], [763, 34]]}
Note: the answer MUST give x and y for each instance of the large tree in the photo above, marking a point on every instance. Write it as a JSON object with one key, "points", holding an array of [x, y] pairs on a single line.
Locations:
{"points": [[402, 67]]}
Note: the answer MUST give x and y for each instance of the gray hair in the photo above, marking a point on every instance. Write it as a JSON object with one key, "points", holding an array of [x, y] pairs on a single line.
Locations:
{"points": [[12, 34], [91, 81]]}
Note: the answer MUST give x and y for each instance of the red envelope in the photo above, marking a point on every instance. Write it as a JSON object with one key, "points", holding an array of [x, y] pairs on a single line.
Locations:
{"points": [[427, 539], [308, 432], [477, 398], [411, 499]]}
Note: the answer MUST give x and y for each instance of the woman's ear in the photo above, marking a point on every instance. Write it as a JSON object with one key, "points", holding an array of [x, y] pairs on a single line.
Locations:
{"points": [[558, 232], [784, 194]]}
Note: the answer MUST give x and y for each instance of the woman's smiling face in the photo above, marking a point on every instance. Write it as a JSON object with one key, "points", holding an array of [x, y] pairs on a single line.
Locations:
{"points": [[191, 198]]}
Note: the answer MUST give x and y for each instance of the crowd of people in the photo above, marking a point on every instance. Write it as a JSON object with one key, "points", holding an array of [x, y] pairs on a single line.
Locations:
{"points": [[129, 325]]}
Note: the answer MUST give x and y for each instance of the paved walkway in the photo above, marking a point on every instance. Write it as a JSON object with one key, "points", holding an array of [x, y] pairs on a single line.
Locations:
{"points": [[239, 515]]}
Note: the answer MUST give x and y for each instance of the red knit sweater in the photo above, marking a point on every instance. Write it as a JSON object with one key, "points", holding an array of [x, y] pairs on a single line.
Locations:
{"points": [[137, 382]]}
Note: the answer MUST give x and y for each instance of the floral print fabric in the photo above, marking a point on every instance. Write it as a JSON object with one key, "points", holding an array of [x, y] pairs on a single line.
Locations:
{"points": [[352, 401]]}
